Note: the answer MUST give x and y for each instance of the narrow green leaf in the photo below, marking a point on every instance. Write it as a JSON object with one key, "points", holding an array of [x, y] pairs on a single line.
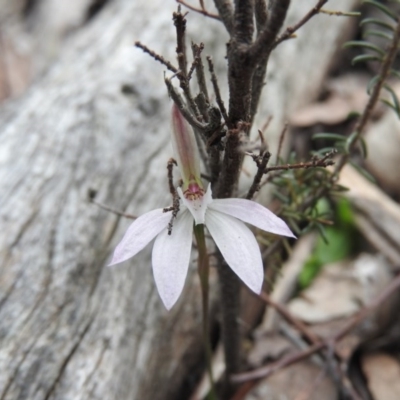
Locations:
{"points": [[322, 232], [394, 97], [365, 58], [383, 8], [363, 172], [340, 188], [395, 73], [353, 114], [365, 45], [294, 226], [389, 104], [329, 136], [372, 83], [349, 142], [380, 34], [377, 22], [322, 152], [281, 197], [364, 150]]}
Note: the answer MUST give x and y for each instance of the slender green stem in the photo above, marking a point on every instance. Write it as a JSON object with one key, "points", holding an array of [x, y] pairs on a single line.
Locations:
{"points": [[203, 269]]}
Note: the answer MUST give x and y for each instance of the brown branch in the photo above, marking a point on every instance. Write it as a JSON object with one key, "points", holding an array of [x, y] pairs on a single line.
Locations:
{"points": [[261, 15], [292, 29], [196, 59], [330, 356], [262, 162], [199, 10], [362, 121], [327, 343], [243, 25], [182, 75], [201, 80], [260, 51], [312, 338], [217, 92], [157, 57], [176, 97], [170, 177], [174, 194], [281, 139], [277, 14], [316, 162], [180, 25], [225, 11]]}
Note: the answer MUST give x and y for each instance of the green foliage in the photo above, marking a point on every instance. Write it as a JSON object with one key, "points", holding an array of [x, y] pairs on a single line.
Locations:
{"points": [[381, 28], [336, 243]]}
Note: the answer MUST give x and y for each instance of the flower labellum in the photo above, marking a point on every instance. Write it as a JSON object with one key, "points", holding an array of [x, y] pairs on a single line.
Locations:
{"points": [[224, 218]]}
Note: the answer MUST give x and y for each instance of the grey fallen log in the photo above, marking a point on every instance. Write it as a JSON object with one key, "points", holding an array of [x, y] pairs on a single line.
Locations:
{"points": [[70, 328]]}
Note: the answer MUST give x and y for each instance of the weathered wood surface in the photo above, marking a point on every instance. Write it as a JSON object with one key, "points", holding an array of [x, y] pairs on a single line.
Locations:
{"points": [[70, 328], [376, 215]]}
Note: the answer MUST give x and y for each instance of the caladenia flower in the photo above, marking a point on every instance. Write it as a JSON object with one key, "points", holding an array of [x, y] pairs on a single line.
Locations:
{"points": [[224, 218]]}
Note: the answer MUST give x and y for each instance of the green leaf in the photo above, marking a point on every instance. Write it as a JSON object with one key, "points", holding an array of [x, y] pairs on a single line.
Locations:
{"points": [[344, 212], [349, 142], [335, 243], [281, 196], [383, 8], [323, 206], [389, 104], [381, 34], [378, 22], [365, 58], [372, 83], [364, 44], [336, 247], [394, 97], [309, 272], [353, 114], [329, 136], [364, 149], [363, 172], [339, 189], [395, 73]]}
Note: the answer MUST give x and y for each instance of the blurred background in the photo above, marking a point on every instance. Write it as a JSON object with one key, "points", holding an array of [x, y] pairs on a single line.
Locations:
{"points": [[82, 109]]}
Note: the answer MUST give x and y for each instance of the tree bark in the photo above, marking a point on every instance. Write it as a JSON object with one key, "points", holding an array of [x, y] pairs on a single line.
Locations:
{"points": [[71, 328]]}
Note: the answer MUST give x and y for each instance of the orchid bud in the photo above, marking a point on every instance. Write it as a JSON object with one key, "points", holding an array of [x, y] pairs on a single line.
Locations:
{"points": [[186, 153]]}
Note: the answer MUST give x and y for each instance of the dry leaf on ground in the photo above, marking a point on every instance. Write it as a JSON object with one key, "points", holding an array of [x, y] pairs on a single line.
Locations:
{"points": [[382, 373]]}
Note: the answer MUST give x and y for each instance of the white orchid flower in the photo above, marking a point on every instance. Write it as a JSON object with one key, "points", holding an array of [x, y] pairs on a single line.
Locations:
{"points": [[224, 218]]}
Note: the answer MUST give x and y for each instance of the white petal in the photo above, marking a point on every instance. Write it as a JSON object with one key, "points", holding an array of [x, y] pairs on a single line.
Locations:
{"points": [[199, 206], [142, 231], [252, 213], [170, 259], [238, 247]]}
